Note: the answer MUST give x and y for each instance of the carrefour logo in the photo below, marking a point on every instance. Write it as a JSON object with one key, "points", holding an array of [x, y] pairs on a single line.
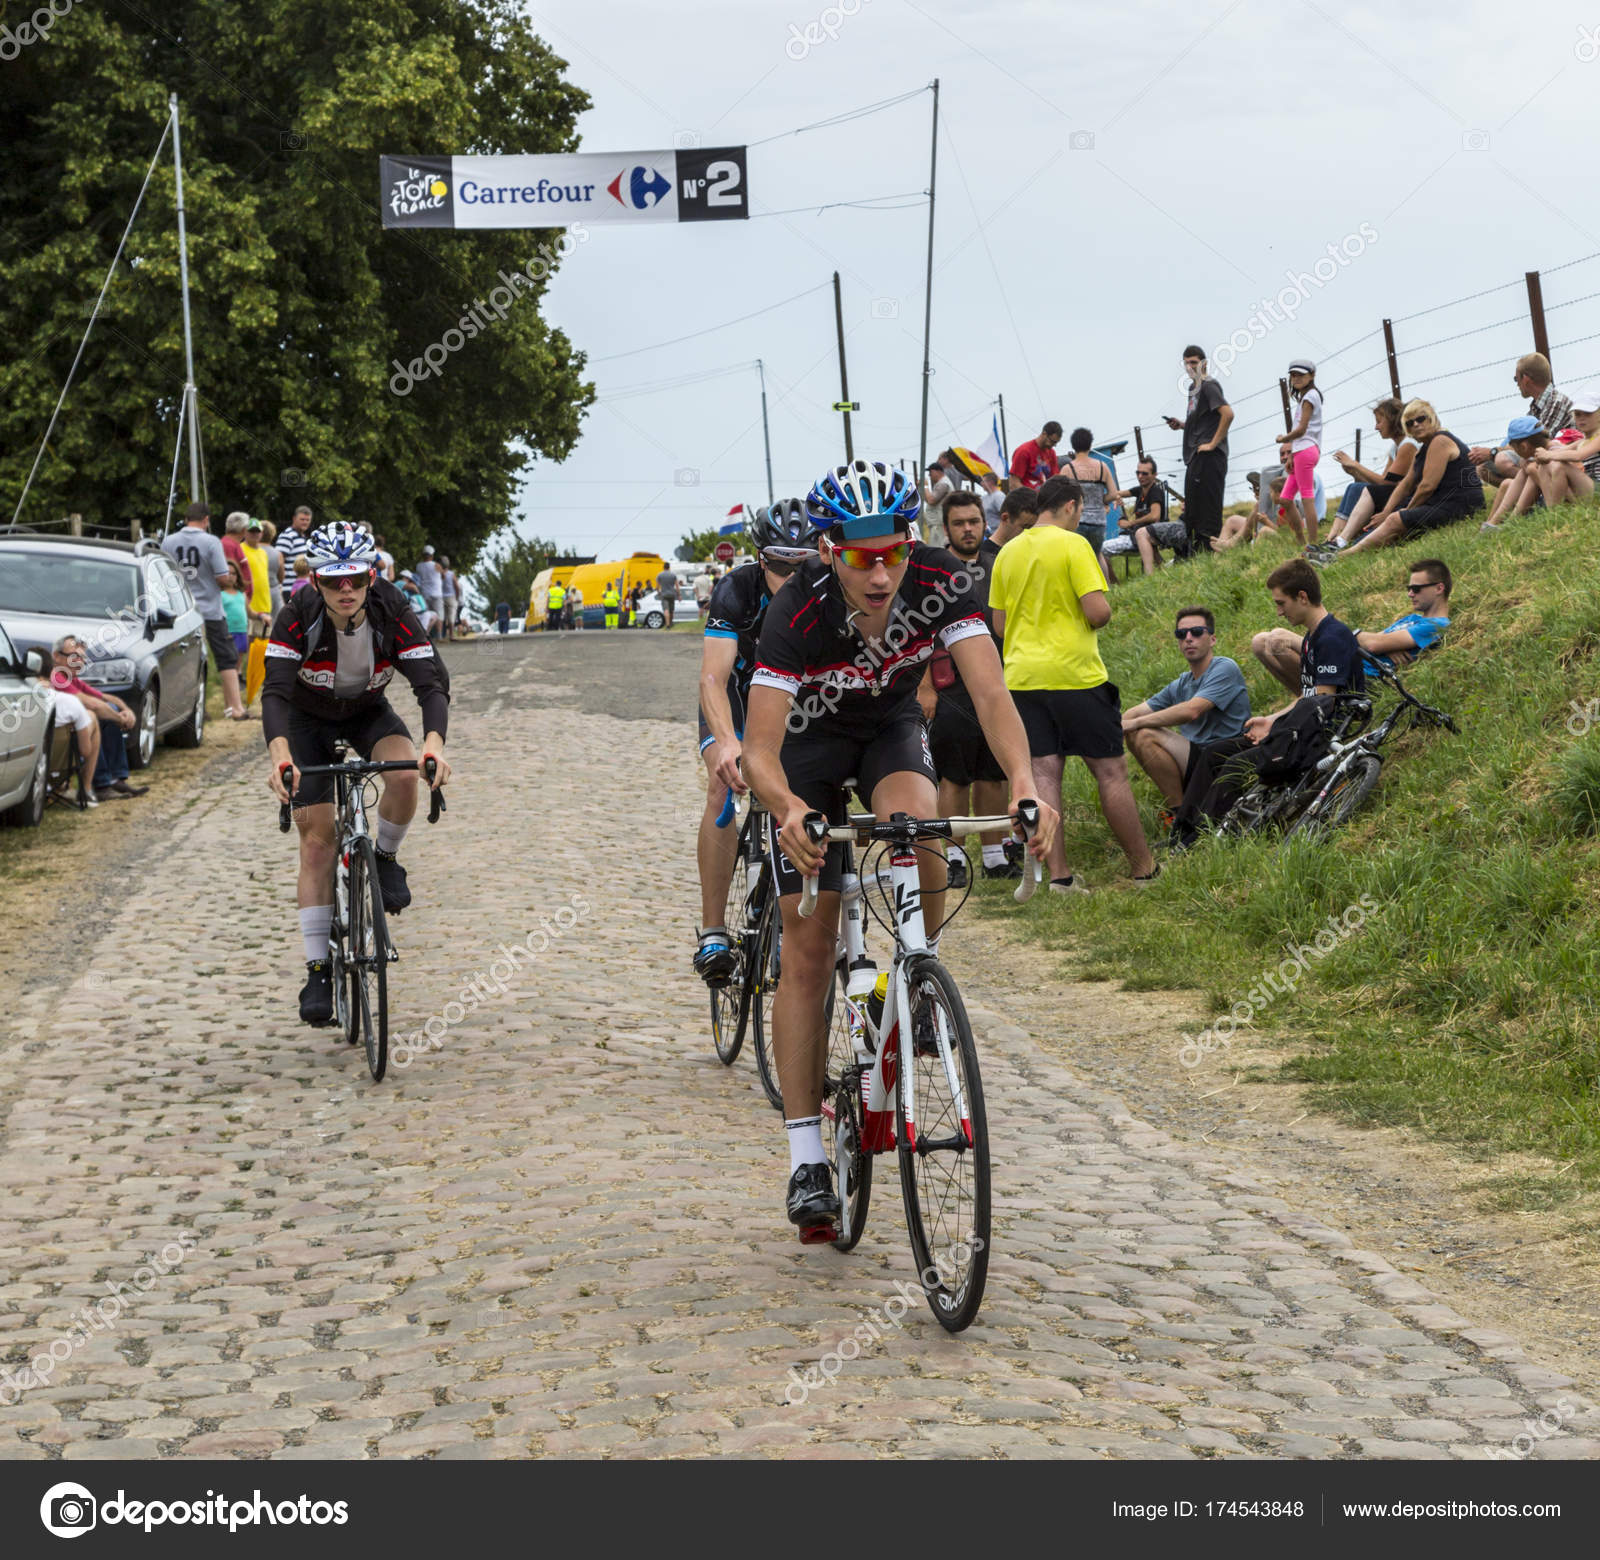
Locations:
{"points": [[644, 188]]}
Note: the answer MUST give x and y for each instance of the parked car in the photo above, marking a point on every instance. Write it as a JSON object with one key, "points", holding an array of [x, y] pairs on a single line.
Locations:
{"points": [[27, 719], [134, 613], [650, 612]]}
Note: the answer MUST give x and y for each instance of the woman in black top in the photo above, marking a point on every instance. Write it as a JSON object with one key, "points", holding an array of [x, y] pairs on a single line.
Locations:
{"points": [[1442, 486]]}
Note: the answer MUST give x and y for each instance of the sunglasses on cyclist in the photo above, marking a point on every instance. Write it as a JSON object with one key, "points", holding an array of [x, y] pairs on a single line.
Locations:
{"points": [[863, 558], [1190, 633]]}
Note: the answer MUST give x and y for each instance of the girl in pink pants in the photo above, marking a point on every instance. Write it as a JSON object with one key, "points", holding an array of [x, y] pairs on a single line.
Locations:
{"points": [[1304, 442]]}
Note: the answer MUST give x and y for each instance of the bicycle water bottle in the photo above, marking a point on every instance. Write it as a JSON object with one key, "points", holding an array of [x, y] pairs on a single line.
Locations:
{"points": [[880, 995], [860, 971]]}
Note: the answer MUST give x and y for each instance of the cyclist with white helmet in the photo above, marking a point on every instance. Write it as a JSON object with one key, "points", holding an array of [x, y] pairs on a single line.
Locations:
{"points": [[332, 653], [834, 698], [738, 606]]}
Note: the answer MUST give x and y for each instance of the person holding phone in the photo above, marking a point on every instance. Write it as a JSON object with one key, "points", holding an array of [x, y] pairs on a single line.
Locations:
{"points": [[1205, 450]]}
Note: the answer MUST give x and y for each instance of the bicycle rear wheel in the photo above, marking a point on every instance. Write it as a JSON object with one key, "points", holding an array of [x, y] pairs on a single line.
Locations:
{"points": [[841, 1121], [944, 1153], [1344, 798], [730, 1002], [369, 957], [766, 967]]}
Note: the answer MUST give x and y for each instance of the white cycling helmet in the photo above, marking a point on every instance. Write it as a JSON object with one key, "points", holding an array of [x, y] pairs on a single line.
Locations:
{"points": [[341, 548]]}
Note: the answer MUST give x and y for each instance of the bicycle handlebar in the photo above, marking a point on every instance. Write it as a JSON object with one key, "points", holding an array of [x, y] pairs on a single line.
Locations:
{"points": [[361, 767], [865, 829]]}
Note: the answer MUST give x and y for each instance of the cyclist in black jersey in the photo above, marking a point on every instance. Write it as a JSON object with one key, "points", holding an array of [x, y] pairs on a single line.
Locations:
{"points": [[334, 648], [834, 698], [734, 615]]}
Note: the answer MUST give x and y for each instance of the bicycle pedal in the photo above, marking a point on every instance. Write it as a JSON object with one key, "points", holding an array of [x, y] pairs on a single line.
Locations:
{"points": [[819, 1234], [394, 955]]}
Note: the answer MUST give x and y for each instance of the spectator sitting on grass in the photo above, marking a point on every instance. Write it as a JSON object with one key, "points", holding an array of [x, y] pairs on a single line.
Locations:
{"points": [[112, 716], [1370, 489], [1150, 529], [1207, 703], [1568, 471], [1520, 492], [1546, 405], [1418, 630], [1441, 487], [1329, 663], [1017, 514]]}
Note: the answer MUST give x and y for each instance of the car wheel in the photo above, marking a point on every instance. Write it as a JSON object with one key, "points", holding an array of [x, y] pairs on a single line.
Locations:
{"points": [[655, 620], [28, 812], [192, 732], [142, 739]]}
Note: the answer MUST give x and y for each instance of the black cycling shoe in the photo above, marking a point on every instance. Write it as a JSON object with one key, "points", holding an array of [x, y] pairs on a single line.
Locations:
{"points": [[960, 875], [392, 884], [316, 996], [716, 959], [1011, 869], [813, 1204]]}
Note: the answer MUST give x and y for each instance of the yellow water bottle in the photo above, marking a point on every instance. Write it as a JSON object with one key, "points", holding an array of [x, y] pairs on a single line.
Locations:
{"points": [[880, 995]]}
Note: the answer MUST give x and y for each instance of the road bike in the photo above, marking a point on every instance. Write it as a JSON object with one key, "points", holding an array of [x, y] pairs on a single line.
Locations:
{"points": [[755, 927], [359, 947], [901, 1070]]}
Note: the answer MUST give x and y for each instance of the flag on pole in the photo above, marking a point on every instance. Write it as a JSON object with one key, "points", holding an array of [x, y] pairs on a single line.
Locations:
{"points": [[738, 509], [990, 450]]}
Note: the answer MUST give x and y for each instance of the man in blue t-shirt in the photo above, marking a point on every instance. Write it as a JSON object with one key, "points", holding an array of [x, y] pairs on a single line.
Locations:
{"points": [[1421, 629], [1207, 703]]}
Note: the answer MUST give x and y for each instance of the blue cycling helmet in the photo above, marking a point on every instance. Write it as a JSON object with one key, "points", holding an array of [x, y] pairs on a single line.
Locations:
{"points": [[864, 498], [341, 548]]}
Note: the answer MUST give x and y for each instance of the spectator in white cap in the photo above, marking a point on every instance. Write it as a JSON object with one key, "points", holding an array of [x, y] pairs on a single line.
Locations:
{"points": [[430, 581], [1304, 442], [1568, 471]]}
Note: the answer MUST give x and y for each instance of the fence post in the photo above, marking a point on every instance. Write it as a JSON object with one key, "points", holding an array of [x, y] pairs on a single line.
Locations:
{"points": [[1541, 341], [1358, 446], [75, 524], [1283, 390], [1138, 440], [1394, 367], [135, 530]]}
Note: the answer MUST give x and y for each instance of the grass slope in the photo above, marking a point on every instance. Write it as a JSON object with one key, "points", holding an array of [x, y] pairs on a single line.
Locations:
{"points": [[1465, 1005]]}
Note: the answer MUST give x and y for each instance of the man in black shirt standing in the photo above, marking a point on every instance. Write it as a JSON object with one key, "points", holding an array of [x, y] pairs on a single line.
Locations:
{"points": [[961, 755], [1205, 450]]}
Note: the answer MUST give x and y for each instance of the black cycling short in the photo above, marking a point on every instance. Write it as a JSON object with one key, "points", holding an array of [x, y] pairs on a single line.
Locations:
{"points": [[221, 642], [1071, 722], [960, 751], [736, 704], [816, 765], [311, 741]]}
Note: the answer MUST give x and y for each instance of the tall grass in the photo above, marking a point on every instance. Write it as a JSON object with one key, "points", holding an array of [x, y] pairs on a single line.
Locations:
{"points": [[1466, 1006]]}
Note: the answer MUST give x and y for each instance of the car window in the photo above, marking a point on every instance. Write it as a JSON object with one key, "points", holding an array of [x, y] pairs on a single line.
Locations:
{"points": [[155, 587], [7, 650], [177, 591], [61, 586]]}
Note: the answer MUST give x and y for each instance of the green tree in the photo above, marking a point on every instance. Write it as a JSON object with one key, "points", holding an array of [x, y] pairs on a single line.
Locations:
{"points": [[506, 572], [302, 304], [699, 545]]}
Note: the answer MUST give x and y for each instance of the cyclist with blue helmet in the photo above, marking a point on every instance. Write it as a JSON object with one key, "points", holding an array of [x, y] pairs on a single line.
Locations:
{"points": [[834, 698], [738, 606], [333, 650]]}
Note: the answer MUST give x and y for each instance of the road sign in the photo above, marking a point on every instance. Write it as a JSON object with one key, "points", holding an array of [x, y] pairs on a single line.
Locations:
{"points": [[847, 406], [723, 552]]}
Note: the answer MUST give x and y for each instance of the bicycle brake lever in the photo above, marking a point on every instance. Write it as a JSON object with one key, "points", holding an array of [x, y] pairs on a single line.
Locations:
{"points": [[283, 818], [1028, 819], [436, 806], [816, 827]]}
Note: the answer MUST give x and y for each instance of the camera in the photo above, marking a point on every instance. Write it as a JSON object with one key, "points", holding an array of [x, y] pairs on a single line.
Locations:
{"points": [[1081, 141], [686, 476], [686, 140], [884, 309], [1475, 141], [73, 1512]]}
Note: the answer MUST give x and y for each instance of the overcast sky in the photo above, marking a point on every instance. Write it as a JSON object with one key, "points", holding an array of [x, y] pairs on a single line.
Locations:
{"points": [[1113, 183]]}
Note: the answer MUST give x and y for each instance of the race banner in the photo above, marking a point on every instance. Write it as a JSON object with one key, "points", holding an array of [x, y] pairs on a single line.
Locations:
{"points": [[703, 184]]}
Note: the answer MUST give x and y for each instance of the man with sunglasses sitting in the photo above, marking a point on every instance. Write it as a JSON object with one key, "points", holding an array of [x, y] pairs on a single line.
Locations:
{"points": [[834, 699], [332, 653], [734, 614]]}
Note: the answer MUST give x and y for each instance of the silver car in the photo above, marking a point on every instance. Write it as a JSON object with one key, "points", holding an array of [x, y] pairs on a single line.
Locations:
{"points": [[27, 718]]}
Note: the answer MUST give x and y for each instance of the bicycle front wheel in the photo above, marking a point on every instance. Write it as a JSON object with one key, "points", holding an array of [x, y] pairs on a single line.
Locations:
{"points": [[369, 957], [1344, 798], [944, 1151], [766, 968], [730, 1002]]}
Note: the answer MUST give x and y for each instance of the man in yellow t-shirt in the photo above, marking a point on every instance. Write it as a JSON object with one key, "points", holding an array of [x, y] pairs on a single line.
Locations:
{"points": [[1048, 597], [260, 604]]}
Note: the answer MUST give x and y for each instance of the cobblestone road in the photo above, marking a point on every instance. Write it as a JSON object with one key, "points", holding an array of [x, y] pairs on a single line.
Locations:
{"points": [[561, 1232]]}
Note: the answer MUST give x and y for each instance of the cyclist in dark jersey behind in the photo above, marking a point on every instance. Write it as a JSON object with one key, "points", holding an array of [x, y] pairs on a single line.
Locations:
{"points": [[834, 698], [334, 649], [734, 616]]}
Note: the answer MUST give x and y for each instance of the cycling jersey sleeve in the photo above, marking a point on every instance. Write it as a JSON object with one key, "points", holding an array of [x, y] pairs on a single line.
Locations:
{"points": [[725, 613], [941, 576], [286, 648]]}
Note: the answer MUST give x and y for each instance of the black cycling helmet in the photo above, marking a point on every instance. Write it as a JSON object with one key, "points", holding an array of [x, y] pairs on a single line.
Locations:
{"points": [[784, 524]]}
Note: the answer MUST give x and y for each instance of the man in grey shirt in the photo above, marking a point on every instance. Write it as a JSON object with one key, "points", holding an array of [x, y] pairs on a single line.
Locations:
{"points": [[200, 559], [1207, 703], [430, 581], [667, 590], [993, 499]]}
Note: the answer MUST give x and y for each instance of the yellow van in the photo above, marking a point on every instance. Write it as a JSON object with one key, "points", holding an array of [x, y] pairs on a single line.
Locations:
{"points": [[640, 568]]}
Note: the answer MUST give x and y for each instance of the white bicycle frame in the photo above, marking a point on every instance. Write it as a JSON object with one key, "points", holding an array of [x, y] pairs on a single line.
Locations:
{"points": [[885, 1078]]}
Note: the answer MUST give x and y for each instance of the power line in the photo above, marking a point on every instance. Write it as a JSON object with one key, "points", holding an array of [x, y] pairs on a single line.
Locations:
{"points": [[612, 357], [844, 118]]}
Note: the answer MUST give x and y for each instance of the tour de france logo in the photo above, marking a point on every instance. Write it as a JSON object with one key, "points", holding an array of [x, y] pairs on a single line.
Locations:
{"points": [[419, 190]]}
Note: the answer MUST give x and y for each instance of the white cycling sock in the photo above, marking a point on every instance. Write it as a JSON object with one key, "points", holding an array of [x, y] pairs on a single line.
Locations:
{"points": [[390, 835], [994, 855], [805, 1142], [314, 923], [954, 853]]}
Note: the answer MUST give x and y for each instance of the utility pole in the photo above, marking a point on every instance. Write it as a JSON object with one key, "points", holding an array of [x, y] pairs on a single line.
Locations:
{"points": [[189, 393], [927, 301], [766, 435], [844, 378], [1005, 443]]}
